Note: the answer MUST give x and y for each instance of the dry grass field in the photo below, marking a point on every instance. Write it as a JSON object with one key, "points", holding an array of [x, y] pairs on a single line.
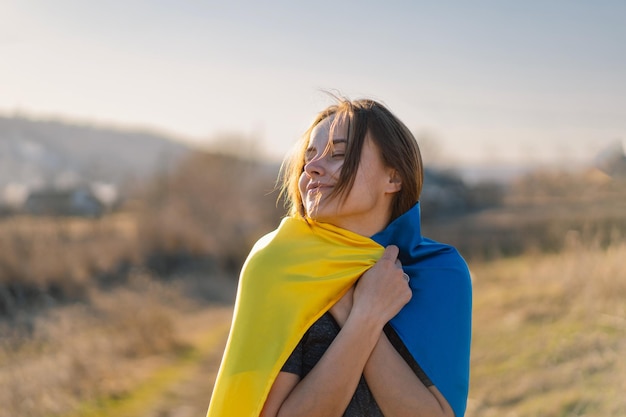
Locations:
{"points": [[121, 315], [550, 335], [549, 340], [42, 256]]}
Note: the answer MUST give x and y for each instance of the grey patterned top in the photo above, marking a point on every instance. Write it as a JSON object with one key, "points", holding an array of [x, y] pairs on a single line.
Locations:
{"points": [[314, 343]]}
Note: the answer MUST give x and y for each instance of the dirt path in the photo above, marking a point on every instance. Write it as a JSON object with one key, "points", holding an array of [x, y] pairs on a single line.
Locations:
{"points": [[180, 387], [190, 396]]}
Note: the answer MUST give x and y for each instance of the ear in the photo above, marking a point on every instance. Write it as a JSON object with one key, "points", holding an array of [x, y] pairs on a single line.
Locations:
{"points": [[395, 182]]}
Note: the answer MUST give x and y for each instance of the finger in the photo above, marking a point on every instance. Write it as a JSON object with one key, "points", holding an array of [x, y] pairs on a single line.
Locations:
{"points": [[398, 263], [391, 253]]}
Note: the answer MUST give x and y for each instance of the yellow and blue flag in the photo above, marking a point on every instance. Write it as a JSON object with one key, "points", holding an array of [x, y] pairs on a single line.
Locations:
{"points": [[296, 273]]}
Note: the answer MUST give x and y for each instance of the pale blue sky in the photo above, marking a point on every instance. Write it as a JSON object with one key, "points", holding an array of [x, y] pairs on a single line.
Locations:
{"points": [[539, 81]]}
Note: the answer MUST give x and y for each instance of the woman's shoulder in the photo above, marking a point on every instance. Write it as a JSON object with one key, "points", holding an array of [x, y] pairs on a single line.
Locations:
{"points": [[435, 253]]}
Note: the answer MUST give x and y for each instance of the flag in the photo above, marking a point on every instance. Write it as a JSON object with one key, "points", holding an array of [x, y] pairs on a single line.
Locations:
{"points": [[296, 273]]}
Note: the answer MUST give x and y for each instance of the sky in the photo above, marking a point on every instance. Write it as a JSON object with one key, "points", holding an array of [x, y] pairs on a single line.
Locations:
{"points": [[482, 82]]}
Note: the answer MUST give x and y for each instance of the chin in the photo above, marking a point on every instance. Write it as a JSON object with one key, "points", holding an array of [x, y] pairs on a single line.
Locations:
{"points": [[315, 213], [320, 211]]}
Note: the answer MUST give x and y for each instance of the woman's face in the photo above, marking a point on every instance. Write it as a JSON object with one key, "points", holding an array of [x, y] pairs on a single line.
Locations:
{"points": [[366, 209]]}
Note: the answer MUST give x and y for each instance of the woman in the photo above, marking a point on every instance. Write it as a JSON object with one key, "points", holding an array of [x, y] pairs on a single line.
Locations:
{"points": [[349, 260]]}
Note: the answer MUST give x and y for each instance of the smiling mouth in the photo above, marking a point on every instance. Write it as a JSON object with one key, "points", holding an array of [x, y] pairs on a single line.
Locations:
{"points": [[318, 190], [316, 186]]}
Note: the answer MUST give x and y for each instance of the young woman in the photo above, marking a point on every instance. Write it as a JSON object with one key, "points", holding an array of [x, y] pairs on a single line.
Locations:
{"points": [[364, 316]]}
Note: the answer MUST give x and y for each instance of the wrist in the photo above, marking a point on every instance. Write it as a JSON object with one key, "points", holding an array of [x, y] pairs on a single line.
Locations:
{"points": [[367, 319]]}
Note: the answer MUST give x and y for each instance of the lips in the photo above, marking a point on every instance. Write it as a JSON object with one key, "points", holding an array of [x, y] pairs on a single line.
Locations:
{"points": [[317, 186]]}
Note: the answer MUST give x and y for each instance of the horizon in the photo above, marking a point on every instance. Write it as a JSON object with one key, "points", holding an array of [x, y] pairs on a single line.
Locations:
{"points": [[471, 172]]}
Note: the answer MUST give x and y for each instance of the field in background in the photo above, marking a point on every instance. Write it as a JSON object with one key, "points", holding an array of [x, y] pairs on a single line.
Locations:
{"points": [[542, 212], [127, 314], [550, 334]]}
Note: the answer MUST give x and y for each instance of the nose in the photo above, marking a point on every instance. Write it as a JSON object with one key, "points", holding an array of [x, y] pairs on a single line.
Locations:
{"points": [[315, 167]]}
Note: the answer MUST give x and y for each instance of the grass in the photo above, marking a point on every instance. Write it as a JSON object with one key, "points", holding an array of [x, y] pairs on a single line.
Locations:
{"points": [[142, 398], [549, 335], [177, 222], [86, 330], [549, 340], [45, 260], [118, 350]]}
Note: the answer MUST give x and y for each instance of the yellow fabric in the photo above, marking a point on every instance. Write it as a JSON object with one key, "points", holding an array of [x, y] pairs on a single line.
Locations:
{"points": [[291, 277]]}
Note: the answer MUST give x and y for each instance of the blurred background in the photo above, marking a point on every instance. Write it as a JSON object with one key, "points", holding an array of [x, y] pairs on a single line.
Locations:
{"points": [[140, 144]]}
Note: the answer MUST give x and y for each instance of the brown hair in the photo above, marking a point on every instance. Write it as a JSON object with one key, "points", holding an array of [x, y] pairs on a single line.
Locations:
{"points": [[396, 143]]}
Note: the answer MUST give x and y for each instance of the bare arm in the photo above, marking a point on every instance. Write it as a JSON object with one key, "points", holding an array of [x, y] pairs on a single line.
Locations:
{"points": [[395, 387], [397, 390], [328, 388]]}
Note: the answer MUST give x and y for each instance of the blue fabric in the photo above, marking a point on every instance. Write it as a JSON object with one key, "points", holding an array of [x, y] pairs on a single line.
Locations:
{"points": [[436, 324]]}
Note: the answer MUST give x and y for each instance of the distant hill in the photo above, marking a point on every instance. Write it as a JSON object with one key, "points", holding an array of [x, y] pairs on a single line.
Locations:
{"points": [[38, 153]]}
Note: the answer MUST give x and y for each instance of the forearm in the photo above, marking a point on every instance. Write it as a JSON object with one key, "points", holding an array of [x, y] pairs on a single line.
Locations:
{"points": [[329, 387], [395, 387]]}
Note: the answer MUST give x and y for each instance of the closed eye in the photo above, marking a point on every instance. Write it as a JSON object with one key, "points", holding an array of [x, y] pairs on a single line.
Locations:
{"points": [[338, 151], [339, 148]]}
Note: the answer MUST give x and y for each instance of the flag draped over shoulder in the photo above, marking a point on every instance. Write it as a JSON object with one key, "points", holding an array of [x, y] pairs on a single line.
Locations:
{"points": [[296, 273]]}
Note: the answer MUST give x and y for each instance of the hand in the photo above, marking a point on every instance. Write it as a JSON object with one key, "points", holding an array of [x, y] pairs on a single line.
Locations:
{"points": [[341, 310], [382, 291]]}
